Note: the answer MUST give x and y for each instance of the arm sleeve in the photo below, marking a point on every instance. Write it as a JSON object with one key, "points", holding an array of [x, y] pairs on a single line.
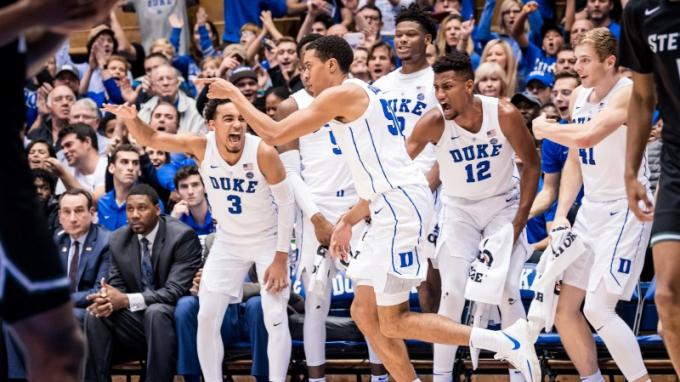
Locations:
{"points": [[283, 196], [303, 196]]}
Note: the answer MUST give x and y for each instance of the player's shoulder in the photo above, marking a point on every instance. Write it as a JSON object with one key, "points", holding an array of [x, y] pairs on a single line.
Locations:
{"points": [[264, 150], [638, 8]]}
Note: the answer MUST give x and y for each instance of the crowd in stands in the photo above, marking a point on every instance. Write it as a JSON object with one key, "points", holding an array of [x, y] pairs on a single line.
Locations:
{"points": [[97, 185]]}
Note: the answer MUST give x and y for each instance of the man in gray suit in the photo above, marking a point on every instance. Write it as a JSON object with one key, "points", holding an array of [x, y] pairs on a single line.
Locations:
{"points": [[152, 262]]}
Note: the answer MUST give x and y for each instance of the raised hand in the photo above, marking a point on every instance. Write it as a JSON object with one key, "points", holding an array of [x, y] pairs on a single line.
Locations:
{"points": [[530, 7], [219, 88], [176, 21], [124, 111]]}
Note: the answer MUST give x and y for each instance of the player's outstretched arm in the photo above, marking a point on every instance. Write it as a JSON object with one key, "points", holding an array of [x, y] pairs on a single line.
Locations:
{"points": [[336, 102], [520, 139], [428, 129], [640, 110], [588, 134], [147, 136]]}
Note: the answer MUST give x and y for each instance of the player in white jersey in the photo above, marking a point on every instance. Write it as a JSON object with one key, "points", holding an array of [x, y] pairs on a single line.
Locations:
{"points": [[616, 240], [408, 90], [253, 204], [476, 139], [324, 190], [394, 194]]}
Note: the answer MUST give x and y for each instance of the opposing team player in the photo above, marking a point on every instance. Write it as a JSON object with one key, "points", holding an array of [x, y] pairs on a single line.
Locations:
{"points": [[324, 190], [476, 139], [242, 175], [649, 45], [394, 194], [615, 239], [408, 90]]}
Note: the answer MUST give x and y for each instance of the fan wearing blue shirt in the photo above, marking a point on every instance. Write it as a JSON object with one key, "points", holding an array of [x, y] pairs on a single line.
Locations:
{"points": [[599, 12], [193, 209], [125, 168]]}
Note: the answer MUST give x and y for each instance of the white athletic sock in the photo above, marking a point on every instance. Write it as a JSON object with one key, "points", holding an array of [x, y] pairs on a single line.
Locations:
{"points": [[515, 375], [322, 379], [485, 339], [596, 377], [446, 376], [380, 378]]}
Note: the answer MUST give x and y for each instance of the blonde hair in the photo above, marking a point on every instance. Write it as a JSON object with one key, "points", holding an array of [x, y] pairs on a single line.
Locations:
{"points": [[160, 43], [440, 43], [250, 27], [602, 40], [510, 66], [122, 59], [505, 6], [491, 69]]}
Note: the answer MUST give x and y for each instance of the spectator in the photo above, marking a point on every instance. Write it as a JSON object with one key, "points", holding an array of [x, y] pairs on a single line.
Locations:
{"points": [[239, 324], [490, 80], [566, 59], [388, 11], [599, 13], [240, 12], [158, 158], [153, 20], [165, 86], [53, 115], [454, 34], [579, 27], [507, 17], [565, 83], [368, 20], [286, 73], [38, 151], [316, 21], [528, 104], [337, 30], [192, 209], [107, 127], [381, 60], [101, 45], [359, 68], [87, 170], [245, 79], [68, 75], [205, 37], [45, 186], [135, 308], [500, 52], [540, 84], [273, 98], [183, 63], [86, 111], [124, 166], [83, 248]]}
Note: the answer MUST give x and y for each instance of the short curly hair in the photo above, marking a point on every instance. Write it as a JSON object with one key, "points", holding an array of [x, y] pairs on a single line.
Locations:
{"points": [[211, 106], [328, 47], [458, 62], [418, 15]]}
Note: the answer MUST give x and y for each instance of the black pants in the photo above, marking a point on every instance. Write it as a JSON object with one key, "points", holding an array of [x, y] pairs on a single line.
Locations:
{"points": [[149, 332], [33, 277]]}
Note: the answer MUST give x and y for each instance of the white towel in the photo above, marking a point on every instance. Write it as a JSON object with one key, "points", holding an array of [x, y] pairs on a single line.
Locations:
{"points": [[489, 271], [565, 248], [321, 272]]}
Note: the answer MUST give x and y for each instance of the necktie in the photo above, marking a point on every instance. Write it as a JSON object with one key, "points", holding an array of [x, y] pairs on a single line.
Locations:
{"points": [[73, 266], [147, 268]]}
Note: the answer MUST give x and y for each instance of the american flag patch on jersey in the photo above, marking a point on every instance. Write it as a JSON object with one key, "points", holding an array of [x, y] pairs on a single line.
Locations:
{"points": [[247, 167], [491, 133]]}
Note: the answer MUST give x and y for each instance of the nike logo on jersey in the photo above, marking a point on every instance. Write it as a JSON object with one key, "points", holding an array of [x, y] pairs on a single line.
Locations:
{"points": [[612, 213], [454, 138], [277, 324], [650, 11], [211, 166], [377, 211], [515, 343]]}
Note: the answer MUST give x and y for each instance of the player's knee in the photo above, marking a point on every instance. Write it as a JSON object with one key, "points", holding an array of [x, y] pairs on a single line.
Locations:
{"points": [[597, 315], [667, 299], [365, 317], [391, 323]]}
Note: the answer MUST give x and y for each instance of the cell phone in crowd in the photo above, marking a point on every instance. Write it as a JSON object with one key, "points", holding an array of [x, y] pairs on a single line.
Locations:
{"points": [[354, 39]]}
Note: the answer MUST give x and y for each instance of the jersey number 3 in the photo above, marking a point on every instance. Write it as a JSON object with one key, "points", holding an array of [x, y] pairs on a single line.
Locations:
{"points": [[235, 208]]}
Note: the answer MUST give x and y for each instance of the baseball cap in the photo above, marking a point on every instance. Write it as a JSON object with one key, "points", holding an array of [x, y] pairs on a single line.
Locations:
{"points": [[525, 96], [542, 77], [68, 69], [551, 27], [243, 72], [96, 31]]}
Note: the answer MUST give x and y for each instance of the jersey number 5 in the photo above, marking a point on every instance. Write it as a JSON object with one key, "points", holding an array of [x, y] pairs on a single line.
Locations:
{"points": [[235, 208], [397, 125]]}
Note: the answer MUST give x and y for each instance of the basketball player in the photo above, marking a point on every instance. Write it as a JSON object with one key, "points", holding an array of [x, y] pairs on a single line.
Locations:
{"points": [[616, 240], [34, 290], [394, 194], [648, 45], [324, 190], [408, 90], [242, 175], [476, 138]]}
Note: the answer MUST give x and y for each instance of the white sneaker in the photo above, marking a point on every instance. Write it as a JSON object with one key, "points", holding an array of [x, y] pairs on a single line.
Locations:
{"points": [[518, 349]]}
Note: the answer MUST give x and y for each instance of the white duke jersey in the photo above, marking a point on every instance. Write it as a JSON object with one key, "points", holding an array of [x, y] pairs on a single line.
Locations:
{"points": [[602, 165], [239, 195], [323, 168], [375, 148], [410, 96], [480, 165]]}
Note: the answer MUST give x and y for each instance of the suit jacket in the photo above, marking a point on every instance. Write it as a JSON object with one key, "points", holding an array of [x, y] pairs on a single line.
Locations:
{"points": [[93, 265], [175, 257]]}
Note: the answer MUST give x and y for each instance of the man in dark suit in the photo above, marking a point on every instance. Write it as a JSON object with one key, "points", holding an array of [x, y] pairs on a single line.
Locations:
{"points": [[83, 248], [153, 260]]}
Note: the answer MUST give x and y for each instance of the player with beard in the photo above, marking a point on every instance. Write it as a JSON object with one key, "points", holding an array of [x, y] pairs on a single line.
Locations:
{"points": [[242, 175]]}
